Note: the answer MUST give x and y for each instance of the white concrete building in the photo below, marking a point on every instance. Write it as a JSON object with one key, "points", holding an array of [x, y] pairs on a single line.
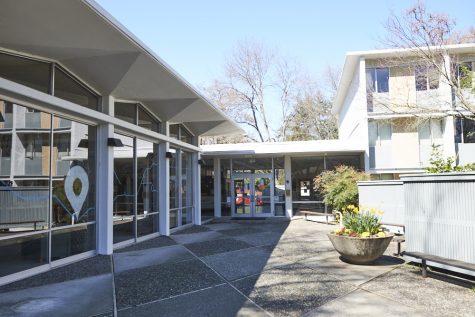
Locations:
{"points": [[395, 109]]}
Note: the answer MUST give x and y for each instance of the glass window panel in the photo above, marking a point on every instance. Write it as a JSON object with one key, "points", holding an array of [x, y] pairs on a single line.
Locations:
{"points": [[74, 174], [32, 154], [185, 136], [186, 179], [385, 131], [225, 165], [370, 80], [72, 240], [382, 77], [28, 72], [372, 133], [433, 75], [186, 215], [124, 191], [6, 115], [468, 131], [147, 189], [304, 170], [173, 180], [67, 88], [173, 218], [174, 130], [207, 188], [5, 154], [147, 121], [125, 111], [421, 77], [23, 253], [261, 165], [464, 75]]}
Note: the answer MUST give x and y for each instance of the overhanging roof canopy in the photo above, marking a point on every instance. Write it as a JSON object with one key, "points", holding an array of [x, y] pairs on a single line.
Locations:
{"points": [[89, 42]]}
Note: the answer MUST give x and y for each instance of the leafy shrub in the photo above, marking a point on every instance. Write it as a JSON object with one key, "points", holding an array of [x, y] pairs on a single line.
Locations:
{"points": [[339, 186], [439, 164]]}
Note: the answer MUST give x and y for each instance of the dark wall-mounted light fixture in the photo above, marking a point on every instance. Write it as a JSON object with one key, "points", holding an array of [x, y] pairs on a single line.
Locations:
{"points": [[114, 142], [169, 155], [2, 119], [83, 143], [201, 162]]}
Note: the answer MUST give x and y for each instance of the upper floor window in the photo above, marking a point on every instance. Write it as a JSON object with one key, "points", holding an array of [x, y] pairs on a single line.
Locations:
{"points": [[426, 77], [26, 71], [135, 113], [179, 132], [379, 132], [46, 77], [377, 79], [465, 130], [464, 73]]}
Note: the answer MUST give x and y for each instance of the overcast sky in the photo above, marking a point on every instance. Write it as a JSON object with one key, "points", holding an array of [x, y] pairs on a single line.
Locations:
{"points": [[194, 36]]}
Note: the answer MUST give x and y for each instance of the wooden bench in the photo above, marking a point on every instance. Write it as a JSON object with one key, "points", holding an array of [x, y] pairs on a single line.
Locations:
{"points": [[438, 259], [313, 213]]}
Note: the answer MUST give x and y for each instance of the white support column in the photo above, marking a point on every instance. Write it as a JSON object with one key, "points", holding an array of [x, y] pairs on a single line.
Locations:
{"points": [[164, 184], [217, 187], [288, 186], [105, 182], [196, 170]]}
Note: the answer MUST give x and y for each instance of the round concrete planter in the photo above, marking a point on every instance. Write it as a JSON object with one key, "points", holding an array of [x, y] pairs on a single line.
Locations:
{"points": [[360, 250]]}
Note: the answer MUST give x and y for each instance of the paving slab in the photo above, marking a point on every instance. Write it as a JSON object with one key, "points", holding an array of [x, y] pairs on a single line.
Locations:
{"points": [[142, 258], [206, 248], [81, 297], [292, 290], [331, 263], [198, 237], [192, 229], [141, 286], [261, 238], [93, 266], [243, 230], [301, 248], [222, 225], [218, 301], [241, 263], [436, 295], [360, 303], [157, 242]]}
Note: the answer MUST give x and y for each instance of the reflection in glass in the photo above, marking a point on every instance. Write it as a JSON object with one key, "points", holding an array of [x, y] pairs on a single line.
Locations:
{"points": [[22, 253], [26, 71], [126, 111], [72, 157], [225, 165], [67, 88], [147, 192], [73, 240], [186, 187], [146, 121], [207, 189], [173, 180], [124, 192]]}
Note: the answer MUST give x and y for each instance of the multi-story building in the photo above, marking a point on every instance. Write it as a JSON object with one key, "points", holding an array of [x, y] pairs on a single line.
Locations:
{"points": [[396, 107]]}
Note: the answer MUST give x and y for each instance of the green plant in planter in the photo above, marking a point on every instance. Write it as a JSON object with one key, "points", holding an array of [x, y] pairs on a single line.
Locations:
{"points": [[361, 222], [339, 187]]}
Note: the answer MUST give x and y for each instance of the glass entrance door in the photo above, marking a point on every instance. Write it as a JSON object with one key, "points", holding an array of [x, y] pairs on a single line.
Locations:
{"points": [[252, 195]]}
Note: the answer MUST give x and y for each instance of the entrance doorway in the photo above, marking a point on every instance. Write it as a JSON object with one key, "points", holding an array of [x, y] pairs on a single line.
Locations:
{"points": [[252, 195]]}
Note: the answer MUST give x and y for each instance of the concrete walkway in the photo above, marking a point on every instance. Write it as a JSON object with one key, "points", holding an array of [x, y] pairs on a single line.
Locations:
{"points": [[232, 268]]}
